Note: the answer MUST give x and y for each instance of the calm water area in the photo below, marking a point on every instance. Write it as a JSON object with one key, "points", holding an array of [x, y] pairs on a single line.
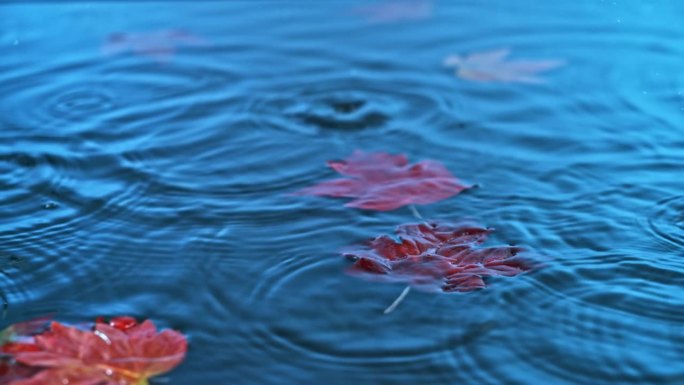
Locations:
{"points": [[149, 152]]}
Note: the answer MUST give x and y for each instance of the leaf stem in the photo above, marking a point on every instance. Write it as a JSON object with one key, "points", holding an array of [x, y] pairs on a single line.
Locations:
{"points": [[415, 212], [397, 301]]}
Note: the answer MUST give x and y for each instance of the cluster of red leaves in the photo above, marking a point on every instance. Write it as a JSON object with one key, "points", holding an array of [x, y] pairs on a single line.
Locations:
{"points": [[381, 181], [436, 256], [432, 256], [119, 352]]}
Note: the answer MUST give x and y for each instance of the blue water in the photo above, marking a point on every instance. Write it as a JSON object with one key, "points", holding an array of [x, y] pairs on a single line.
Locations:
{"points": [[158, 185]]}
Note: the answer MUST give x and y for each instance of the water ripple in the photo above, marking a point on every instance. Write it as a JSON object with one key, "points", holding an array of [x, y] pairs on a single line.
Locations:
{"points": [[347, 328], [77, 104], [57, 102], [50, 201], [666, 222], [356, 103], [607, 308], [124, 95], [12, 287], [161, 190]]}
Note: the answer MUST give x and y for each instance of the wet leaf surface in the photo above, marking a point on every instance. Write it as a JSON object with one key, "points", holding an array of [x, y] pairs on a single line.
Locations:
{"points": [[395, 11], [436, 256], [382, 181], [118, 352], [158, 45], [492, 66]]}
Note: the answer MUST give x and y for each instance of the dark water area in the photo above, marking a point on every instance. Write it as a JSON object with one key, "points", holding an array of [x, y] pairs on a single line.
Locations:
{"points": [[157, 184]]}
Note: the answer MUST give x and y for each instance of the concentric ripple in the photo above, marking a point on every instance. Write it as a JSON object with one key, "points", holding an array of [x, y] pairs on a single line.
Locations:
{"points": [[347, 327], [58, 103], [79, 104], [589, 310], [12, 288], [160, 190], [666, 222], [44, 190], [35, 192], [329, 104], [108, 99], [48, 202]]}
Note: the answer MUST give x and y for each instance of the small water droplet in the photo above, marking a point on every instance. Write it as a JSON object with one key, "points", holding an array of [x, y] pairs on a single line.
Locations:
{"points": [[347, 107], [223, 232], [50, 205]]}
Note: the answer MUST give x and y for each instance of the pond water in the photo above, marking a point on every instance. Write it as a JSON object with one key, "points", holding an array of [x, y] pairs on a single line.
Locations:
{"points": [[155, 180]]}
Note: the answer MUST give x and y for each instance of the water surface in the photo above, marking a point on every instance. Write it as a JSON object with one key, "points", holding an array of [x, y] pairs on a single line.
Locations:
{"points": [[158, 186]]}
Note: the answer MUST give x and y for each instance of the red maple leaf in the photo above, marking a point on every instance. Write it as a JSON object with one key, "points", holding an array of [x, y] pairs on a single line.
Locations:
{"points": [[436, 256], [381, 181], [105, 355], [395, 11], [158, 45], [491, 66]]}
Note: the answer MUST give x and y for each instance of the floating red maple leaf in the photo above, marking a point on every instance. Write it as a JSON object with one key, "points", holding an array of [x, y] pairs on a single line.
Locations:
{"points": [[158, 45], [491, 66], [395, 11], [436, 256], [381, 181], [119, 354]]}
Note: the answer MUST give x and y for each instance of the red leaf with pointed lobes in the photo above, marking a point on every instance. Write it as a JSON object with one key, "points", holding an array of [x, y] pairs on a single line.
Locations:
{"points": [[381, 181], [159, 45], [491, 66], [436, 256], [104, 356], [396, 11]]}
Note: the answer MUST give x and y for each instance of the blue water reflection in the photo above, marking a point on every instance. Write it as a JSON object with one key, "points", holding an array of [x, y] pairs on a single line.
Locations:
{"points": [[156, 182]]}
